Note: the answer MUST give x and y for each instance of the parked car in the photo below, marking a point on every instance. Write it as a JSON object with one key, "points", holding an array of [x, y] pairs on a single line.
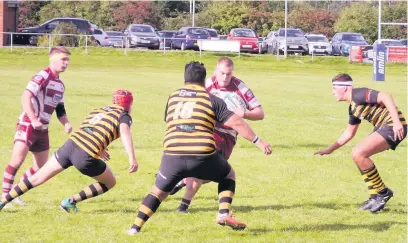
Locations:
{"points": [[141, 35], [166, 38], [247, 39], [115, 38], [83, 25], [186, 38], [213, 34], [342, 41], [404, 42], [318, 44], [101, 37], [267, 42], [295, 41], [263, 48], [223, 37], [389, 42]]}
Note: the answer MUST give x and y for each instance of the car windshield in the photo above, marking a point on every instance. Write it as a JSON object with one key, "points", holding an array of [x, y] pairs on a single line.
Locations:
{"points": [[353, 38], [244, 33], [114, 33], [212, 33], [316, 38], [139, 28], [291, 33], [197, 31], [392, 43]]}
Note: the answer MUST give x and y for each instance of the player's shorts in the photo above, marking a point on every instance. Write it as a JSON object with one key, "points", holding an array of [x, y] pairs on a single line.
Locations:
{"points": [[70, 154], [174, 168], [388, 134], [224, 143], [36, 140]]}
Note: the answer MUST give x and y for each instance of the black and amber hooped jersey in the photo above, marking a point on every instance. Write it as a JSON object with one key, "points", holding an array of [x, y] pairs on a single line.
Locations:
{"points": [[190, 116], [364, 105], [100, 128]]}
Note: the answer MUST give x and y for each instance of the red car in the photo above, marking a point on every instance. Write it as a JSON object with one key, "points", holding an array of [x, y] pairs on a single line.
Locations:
{"points": [[247, 38]]}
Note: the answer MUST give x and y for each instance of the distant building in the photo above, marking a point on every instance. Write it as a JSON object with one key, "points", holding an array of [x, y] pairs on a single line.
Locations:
{"points": [[8, 20]]}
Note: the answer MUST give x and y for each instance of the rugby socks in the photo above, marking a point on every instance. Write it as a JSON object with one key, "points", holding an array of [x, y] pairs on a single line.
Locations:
{"points": [[226, 190], [8, 179], [373, 181], [184, 204], [28, 173], [90, 191], [148, 207], [18, 190]]}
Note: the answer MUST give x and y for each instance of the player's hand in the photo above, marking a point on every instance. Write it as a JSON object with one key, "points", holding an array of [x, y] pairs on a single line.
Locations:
{"points": [[67, 128], [398, 131], [104, 155], [37, 125], [240, 112], [323, 152], [133, 166], [265, 147]]}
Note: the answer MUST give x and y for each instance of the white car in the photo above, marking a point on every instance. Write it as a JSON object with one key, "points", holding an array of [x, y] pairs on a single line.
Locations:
{"points": [[318, 44], [101, 37]]}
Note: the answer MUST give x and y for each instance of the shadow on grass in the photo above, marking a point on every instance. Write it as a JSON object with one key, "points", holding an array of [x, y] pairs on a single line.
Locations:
{"points": [[376, 227]]}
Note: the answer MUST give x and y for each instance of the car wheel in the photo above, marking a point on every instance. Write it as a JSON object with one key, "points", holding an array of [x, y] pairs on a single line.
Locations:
{"points": [[32, 40], [183, 46]]}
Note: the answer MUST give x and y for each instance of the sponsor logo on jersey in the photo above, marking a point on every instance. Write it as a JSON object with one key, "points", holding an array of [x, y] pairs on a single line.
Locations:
{"points": [[57, 97]]}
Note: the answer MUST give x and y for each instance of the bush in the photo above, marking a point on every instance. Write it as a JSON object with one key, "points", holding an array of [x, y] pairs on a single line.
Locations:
{"points": [[65, 40]]}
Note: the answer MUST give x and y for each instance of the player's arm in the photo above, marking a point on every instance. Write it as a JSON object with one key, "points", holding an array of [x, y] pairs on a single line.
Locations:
{"points": [[127, 141], [388, 101], [29, 109], [346, 136], [255, 114], [62, 117], [228, 118]]}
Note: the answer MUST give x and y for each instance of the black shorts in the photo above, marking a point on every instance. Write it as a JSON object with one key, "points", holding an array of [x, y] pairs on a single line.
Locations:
{"points": [[70, 154], [174, 168], [388, 134]]}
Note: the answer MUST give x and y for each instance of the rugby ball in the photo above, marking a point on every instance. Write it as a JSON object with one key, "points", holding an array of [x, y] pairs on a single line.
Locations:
{"points": [[234, 101]]}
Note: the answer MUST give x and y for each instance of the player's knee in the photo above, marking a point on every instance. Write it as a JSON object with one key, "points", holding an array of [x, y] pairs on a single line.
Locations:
{"points": [[112, 183], [231, 175], [357, 155]]}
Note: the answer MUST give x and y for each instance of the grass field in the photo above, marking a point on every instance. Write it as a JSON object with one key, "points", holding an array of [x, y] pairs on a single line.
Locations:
{"points": [[291, 196]]}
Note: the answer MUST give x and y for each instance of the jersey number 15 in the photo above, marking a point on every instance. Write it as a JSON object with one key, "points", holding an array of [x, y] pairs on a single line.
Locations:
{"points": [[184, 110]]}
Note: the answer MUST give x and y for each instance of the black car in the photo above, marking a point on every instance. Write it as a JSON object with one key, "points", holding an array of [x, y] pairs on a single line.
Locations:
{"points": [[83, 25], [166, 38]]}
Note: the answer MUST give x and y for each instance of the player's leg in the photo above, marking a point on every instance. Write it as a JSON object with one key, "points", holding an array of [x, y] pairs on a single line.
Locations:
{"points": [[217, 169], [94, 168], [171, 172], [40, 150], [20, 150], [49, 170], [192, 187], [377, 142], [373, 144]]}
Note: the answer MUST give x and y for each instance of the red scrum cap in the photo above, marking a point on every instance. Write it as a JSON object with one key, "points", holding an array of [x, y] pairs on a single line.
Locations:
{"points": [[123, 98]]}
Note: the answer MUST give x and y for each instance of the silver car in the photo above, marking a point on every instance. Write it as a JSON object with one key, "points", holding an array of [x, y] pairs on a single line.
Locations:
{"points": [[318, 44], [142, 35], [295, 41]]}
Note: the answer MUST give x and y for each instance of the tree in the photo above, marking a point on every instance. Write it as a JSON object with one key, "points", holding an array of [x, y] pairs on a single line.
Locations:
{"points": [[397, 13], [28, 13], [319, 21], [361, 18]]}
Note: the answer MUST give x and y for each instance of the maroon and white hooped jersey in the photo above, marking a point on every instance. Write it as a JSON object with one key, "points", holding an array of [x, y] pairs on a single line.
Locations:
{"points": [[48, 92], [239, 89]]}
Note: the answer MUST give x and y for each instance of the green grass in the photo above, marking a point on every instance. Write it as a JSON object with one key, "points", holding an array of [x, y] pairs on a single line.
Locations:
{"points": [[291, 196]]}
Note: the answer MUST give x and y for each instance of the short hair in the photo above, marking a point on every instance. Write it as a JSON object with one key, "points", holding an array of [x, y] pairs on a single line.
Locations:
{"points": [[195, 72], [225, 60], [342, 77], [59, 49]]}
